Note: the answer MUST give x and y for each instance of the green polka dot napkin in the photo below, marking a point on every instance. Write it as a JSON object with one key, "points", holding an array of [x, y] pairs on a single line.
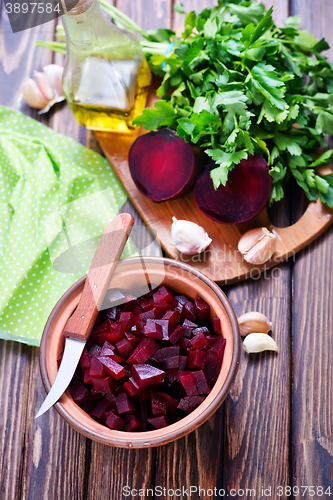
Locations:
{"points": [[56, 196]]}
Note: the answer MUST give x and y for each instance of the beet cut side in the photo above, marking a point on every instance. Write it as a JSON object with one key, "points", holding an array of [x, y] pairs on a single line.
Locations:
{"points": [[151, 362], [242, 198], [162, 165]]}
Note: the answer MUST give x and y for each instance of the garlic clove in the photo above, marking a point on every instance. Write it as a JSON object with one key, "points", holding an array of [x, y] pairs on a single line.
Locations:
{"points": [[45, 90], [253, 322], [249, 239], [53, 74], [44, 86], [257, 245], [258, 342], [32, 94], [189, 238]]}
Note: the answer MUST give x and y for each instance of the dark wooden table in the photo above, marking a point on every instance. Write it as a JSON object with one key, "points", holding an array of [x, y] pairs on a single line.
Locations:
{"points": [[275, 429]]}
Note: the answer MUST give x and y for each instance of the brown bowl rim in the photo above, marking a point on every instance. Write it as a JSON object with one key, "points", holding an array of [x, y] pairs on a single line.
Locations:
{"points": [[178, 432]]}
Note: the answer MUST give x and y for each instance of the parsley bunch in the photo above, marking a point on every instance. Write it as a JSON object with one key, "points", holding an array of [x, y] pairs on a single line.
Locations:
{"points": [[236, 85]]}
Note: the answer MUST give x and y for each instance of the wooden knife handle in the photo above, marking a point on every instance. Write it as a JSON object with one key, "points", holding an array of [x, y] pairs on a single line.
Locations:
{"points": [[103, 265]]}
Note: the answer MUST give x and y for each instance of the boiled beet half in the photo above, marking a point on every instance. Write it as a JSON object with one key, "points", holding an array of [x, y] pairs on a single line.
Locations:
{"points": [[162, 165], [242, 198]]}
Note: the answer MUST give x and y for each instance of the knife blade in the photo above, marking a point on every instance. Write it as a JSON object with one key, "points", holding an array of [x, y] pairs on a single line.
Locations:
{"points": [[79, 325]]}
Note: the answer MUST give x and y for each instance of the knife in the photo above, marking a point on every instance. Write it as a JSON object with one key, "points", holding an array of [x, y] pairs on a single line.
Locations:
{"points": [[79, 325]]}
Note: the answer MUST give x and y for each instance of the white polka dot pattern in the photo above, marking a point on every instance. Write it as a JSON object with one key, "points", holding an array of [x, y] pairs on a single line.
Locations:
{"points": [[47, 205]]}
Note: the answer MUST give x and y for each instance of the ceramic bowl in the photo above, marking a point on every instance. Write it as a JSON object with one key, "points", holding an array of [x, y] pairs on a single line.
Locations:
{"points": [[179, 278]]}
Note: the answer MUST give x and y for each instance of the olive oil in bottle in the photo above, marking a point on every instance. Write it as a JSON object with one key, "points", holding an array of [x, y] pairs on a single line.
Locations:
{"points": [[106, 75]]}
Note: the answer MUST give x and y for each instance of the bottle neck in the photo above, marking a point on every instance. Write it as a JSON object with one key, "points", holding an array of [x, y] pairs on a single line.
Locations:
{"points": [[84, 21]]}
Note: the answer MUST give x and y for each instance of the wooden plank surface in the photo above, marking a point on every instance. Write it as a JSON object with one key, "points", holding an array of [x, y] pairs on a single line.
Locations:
{"points": [[312, 326]]}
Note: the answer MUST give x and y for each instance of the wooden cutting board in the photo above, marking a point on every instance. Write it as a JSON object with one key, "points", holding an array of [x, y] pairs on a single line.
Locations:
{"points": [[221, 262]]}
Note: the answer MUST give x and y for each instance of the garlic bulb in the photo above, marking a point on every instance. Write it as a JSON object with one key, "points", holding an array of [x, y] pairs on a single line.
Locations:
{"points": [[45, 89], [188, 237]]}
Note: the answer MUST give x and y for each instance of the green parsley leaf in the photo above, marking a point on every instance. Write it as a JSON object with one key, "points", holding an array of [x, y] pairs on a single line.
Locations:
{"points": [[226, 161], [163, 115]]}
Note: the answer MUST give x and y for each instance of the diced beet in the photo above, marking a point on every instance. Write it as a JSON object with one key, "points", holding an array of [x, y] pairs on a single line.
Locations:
{"points": [[188, 311], [188, 383], [172, 315], [103, 337], [124, 347], [111, 313], [111, 398], [189, 324], [153, 330], [202, 329], [85, 360], [182, 363], [79, 393], [94, 352], [132, 338], [242, 198], [105, 384], [219, 346], [143, 317], [199, 340], [146, 375], [96, 368], [201, 382], [87, 377], [129, 303], [130, 388], [114, 421], [196, 359], [212, 339], [163, 165], [158, 422], [145, 349], [163, 295], [212, 370], [169, 352], [169, 401], [162, 307], [188, 333], [115, 369], [117, 358], [102, 328], [201, 308], [217, 324], [172, 375], [190, 403], [116, 333], [165, 324], [107, 349], [158, 404], [134, 421], [137, 310], [127, 320], [146, 304], [181, 299], [124, 403], [176, 335], [100, 407], [170, 363], [184, 343]]}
